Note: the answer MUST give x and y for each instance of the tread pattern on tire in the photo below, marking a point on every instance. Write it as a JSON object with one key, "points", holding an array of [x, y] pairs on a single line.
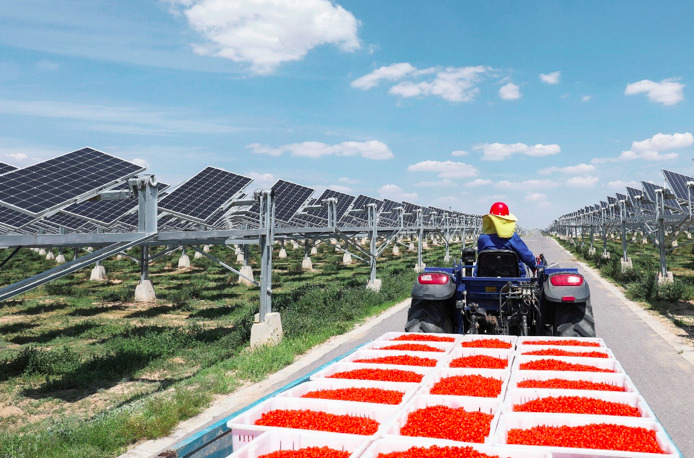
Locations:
{"points": [[429, 316], [574, 320]]}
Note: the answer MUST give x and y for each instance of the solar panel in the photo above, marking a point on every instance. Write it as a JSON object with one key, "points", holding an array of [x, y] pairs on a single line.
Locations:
{"points": [[650, 188], [410, 208], [343, 202], [202, 195], [51, 184], [14, 219], [678, 184], [4, 168], [611, 200], [67, 221], [388, 210], [289, 198]]}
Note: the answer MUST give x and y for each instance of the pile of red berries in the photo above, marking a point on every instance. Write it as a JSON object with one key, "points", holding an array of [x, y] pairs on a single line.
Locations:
{"points": [[411, 347], [308, 452], [558, 365], [424, 338], [384, 375], [561, 384], [318, 421], [486, 343], [571, 343], [558, 352], [468, 385], [448, 423], [400, 360], [480, 362], [579, 405], [437, 452], [374, 395]]}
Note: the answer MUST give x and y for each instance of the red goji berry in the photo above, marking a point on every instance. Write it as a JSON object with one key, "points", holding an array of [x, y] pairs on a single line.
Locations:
{"points": [[486, 343], [480, 362], [436, 451], [318, 421], [577, 405], [592, 436], [558, 352], [373, 395], [468, 385], [424, 338], [561, 384], [448, 423], [558, 365], [308, 452], [572, 343], [412, 347], [400, 360], [384, 375]]}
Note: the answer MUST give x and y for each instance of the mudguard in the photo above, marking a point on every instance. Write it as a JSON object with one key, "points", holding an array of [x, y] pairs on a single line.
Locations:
{"points": [[434, 292], [558, 293]]}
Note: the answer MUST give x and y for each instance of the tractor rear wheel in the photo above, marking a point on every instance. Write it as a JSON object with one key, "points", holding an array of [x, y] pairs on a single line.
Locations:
{"points": [[429, 316], [574, 320]]}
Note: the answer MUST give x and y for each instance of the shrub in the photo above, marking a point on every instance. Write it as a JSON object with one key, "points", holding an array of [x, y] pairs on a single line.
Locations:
{"points": [[671, 292]]}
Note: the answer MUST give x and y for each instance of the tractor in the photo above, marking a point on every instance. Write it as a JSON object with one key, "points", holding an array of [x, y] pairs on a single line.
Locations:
{"points": [[485, 294]]}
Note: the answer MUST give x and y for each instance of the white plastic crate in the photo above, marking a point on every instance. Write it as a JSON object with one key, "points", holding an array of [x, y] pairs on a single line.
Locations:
{"points": [[486, 405], [510, 339], [273, 441], [440, 358], [389, 336], [243, 425], [380, 344], [460, 352], [517, 397], [500, 374], [509, 421], [346, 366], [601, 363], [408, 389], [527, 340], [522, 350], [403, 443], [620, 380]]}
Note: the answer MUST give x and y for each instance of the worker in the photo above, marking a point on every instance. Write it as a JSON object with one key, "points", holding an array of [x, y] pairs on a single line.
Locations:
{"points": [[499, 233]]}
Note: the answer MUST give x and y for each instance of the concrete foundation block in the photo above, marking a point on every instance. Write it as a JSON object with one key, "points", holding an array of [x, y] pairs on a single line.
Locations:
{"points": [[591, 251], [605, 255], [144, 292], [396, 251], [119, 257], [314, 251], [420, 267], [50, 256], [240, 258], [42, 252], [60, 259], [295, 246], [644, 241], [283, 253], [411, 247], [346, 259], [306, 263], [267, 333], [206, 249], [675, 244], [689, 235], [248, 272], [374, 285], [98, 274], [197, 255], [447, 258], [666, 279], [184, 261], [237, 250], [626, 265], [425, 245]]}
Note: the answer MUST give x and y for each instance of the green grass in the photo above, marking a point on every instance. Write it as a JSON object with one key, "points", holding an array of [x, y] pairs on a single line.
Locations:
{"points": [[85, 372]]}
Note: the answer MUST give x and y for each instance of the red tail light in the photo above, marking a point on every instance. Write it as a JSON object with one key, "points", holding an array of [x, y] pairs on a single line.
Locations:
{"points": [[433, 278], [566, 280]]}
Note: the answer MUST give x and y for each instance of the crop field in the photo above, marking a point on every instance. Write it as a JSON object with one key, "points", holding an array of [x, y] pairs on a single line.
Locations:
{"points": [[671, 301], [85, 371]]}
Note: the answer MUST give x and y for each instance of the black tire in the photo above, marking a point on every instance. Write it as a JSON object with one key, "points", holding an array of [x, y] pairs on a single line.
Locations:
{"points": [[429, 316], [574, 320]]}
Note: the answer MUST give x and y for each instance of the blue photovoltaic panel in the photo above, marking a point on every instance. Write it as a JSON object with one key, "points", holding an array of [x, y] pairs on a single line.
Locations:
{"points": [[289, 198], [51, 184], [343, 202], [66, 220], [200, 197], [388, 210], [678, 184], [13, 218], [4, 168]]}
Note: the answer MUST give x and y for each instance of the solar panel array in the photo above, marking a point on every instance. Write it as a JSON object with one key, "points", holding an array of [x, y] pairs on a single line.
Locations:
{"points": [[4, 168], [48, 185]]}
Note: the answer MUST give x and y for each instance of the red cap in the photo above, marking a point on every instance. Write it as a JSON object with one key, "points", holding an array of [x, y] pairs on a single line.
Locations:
{"points": [[499, 209]]}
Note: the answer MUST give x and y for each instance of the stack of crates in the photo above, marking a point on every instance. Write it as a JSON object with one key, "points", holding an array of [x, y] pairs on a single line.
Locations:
{"points": [[426, 390]]}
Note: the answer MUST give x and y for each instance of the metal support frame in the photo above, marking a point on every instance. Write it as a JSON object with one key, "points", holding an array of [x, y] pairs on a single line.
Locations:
{"points": [[266, 203]]}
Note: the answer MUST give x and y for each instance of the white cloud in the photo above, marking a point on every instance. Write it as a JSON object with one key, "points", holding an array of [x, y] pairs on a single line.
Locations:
{"points": [[445, 169], [371, 149], [535, 197], [395, 192], [459, 153], [141, 162], [619, 184], [499, 151], [437, 184], [586, 98], [509, 91], [19, 157], [651, 149], [348, 180], [550, 78], [267, 33], [668, 91], [387, 72], [582, 182], [569, 170], [526, 184], [478, 182], [340, 188], [261, 180], [454, 84]]}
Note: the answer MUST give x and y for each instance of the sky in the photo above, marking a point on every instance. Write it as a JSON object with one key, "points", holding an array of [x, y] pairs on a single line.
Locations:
{"points": [[546, 105]]}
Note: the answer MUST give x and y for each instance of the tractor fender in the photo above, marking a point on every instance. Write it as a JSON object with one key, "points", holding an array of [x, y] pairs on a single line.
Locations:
{"points": [[434, 292], [554, 293]]}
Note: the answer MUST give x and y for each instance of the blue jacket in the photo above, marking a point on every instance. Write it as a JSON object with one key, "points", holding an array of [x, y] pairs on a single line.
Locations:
{"points": [[515, 243]]}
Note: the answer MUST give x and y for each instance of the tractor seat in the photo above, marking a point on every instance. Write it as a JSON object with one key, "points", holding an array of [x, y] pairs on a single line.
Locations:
{"points": [[497, 263]]}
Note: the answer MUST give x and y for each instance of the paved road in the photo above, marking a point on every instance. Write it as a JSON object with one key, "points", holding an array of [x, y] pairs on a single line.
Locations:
{"points": [[662, 376]]}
